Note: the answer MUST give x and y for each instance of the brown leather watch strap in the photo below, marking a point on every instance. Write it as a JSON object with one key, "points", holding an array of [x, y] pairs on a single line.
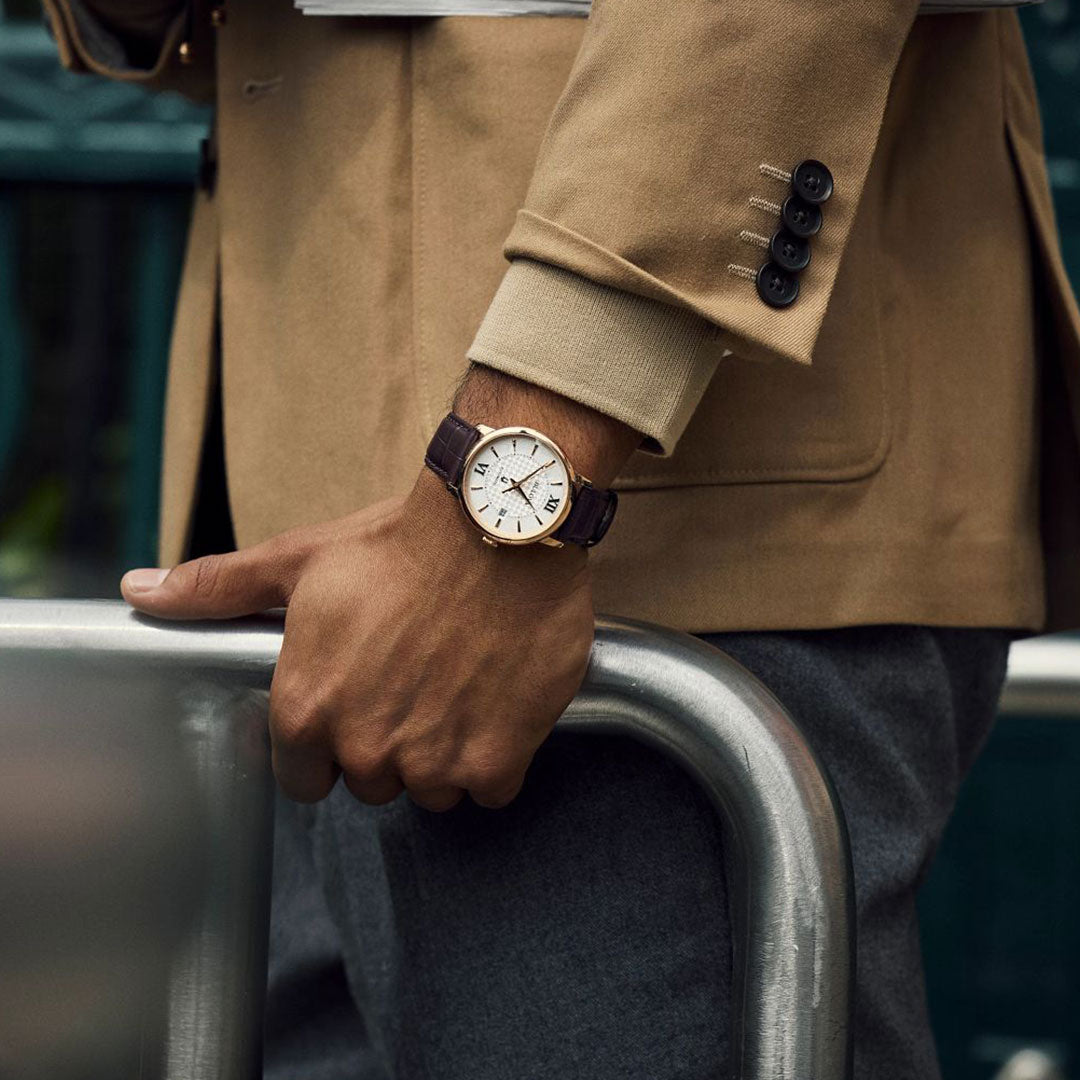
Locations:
{"points": [[589, 517], [592, 509], [449, 447]]}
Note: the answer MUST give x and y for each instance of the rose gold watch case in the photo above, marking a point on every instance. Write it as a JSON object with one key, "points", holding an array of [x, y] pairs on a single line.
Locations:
{"points": [[489, 435]]}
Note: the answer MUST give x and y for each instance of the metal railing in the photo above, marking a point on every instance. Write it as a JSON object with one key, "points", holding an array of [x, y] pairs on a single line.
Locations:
{"points": [[1044, 677], [136, 820], [135, 838]]}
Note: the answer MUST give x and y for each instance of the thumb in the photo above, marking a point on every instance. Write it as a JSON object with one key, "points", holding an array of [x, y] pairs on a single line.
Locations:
{"points": [[213, 587]]}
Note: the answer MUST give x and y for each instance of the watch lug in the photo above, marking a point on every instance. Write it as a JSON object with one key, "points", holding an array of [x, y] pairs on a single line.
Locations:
{"points": [[551, 542], [487, 540], [484, 429], [584, 480]]}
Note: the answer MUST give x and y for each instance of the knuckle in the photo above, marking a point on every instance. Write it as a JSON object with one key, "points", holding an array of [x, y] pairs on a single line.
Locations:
{"points": [[490, 774], [281, 561], [207, 576], [307, 779], [437, 802], [373, 792], [493, 775], [363, 765], [421, 763], [310, 790], [494, 800], [423, 774], [496, 796], [297, 721]]}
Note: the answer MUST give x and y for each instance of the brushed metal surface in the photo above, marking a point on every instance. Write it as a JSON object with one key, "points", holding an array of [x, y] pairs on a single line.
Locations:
{"points": [[1044, 677], [135, 844], [163, 725], [788, 867]]}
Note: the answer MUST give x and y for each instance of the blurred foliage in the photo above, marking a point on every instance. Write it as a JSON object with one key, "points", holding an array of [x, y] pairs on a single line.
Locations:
{"points": [[95, 189], [77, 503], [28, 534]]}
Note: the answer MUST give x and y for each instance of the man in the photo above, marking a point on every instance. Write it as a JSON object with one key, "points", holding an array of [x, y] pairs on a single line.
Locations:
{"points": [[785, 275]]}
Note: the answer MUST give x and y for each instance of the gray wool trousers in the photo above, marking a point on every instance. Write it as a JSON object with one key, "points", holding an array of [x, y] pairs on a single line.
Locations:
{"points": [[581, 932]]}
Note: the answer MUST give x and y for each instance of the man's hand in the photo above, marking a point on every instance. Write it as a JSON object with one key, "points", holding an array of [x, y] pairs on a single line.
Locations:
{"points": [[415, 656]]}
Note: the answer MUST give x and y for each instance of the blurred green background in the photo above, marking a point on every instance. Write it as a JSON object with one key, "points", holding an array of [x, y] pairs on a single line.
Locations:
{"points": [[95, 182], [95, 188]]}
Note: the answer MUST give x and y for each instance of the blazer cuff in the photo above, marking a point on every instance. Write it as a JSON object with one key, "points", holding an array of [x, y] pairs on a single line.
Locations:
{"points": [[668, 159], [641, 361]]}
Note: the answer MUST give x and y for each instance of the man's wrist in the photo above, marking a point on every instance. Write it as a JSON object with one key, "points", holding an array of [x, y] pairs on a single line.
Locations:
{"points": [[444, 533], [596, 445]]}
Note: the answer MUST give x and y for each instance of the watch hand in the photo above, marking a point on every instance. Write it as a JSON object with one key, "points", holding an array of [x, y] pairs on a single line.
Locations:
{"points": [[517, 484], [521, 492]]}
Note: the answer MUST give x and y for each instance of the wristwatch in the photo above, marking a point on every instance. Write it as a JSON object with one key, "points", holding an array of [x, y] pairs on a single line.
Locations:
{"points": [[516, 486]]}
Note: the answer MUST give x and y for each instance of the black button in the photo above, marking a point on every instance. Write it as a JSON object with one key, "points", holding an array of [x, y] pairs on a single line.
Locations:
{"points": [[790, 252], [776, 286], [812, 181], [802, 218]]}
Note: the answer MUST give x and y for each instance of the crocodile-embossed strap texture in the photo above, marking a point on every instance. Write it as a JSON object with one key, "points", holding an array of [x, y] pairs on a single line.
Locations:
{"points": [[449, 447], [589, 517], [592, 509]]}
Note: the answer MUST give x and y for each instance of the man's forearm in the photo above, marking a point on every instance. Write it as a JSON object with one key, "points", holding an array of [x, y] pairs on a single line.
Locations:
{"points": [[415, 656], [596, 444]]}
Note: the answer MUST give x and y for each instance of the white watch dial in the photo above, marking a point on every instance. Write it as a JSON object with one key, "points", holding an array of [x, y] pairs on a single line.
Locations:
{"points": [[515, 486]]}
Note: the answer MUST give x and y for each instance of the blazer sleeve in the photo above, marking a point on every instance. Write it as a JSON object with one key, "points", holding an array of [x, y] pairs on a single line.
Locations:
{"points": [[135, 41], [659, 186]]}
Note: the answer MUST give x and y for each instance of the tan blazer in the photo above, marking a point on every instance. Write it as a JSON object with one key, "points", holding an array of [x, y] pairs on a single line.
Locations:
{"points": [[898, 445]]}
